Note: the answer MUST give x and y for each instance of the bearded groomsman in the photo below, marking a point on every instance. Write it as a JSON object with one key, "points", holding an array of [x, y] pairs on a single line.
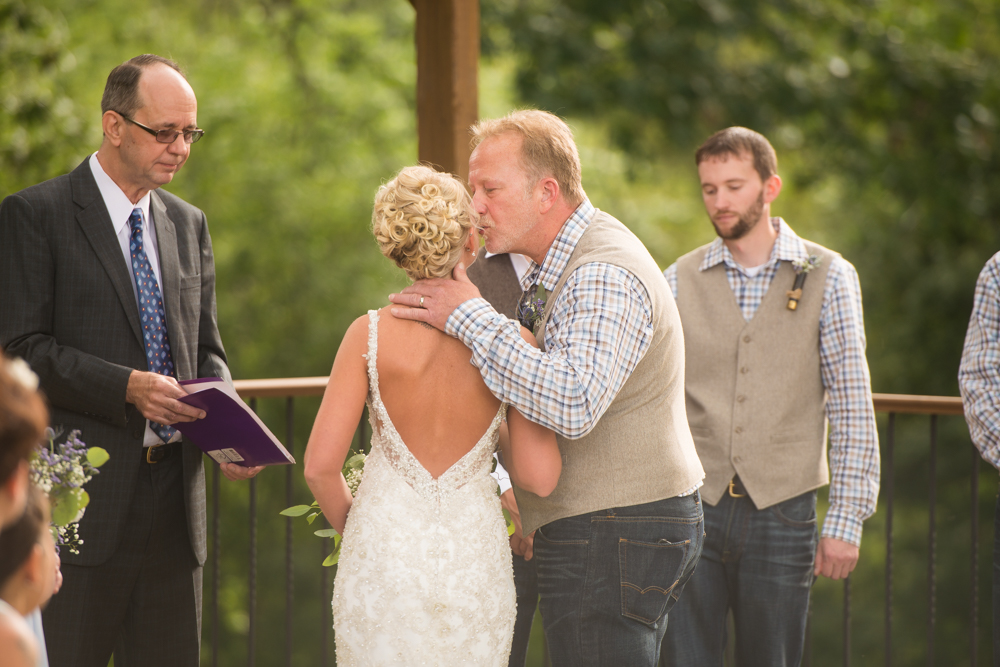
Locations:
{"points": [[775, 350]]}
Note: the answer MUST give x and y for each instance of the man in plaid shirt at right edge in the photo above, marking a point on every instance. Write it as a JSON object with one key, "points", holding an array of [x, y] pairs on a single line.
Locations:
{"points": [[979, 381], [774, 349]]}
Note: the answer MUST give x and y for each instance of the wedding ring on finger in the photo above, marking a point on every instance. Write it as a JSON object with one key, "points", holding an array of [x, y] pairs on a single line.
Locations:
{"points": [[421, 302]]}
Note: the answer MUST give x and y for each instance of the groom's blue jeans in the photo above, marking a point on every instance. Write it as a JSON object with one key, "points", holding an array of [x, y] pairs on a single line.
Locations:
{"points": [[759, 563], [608, 578]]}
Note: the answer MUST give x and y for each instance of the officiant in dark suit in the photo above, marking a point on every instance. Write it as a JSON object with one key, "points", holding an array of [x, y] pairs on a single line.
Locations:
{"points": [[107, 289]]}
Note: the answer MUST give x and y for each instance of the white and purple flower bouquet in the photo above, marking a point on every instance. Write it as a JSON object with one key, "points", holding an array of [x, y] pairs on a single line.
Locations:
{"points": [[61, 470]]}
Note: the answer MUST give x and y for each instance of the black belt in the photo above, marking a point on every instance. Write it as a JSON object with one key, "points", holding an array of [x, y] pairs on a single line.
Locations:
{"points": [[736, 488], [158, 453]]}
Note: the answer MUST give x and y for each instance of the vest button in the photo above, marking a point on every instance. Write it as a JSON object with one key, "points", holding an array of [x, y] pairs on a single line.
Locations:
{"points": [[746, 339], [744, 370], [739, 429], [741, 398]]}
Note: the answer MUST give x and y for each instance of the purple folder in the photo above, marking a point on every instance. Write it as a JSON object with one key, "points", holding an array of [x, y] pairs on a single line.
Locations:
{"points": [[230, 431]]}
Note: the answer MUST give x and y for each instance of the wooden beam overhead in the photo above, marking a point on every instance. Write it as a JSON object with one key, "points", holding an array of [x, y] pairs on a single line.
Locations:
{"points": [[447, 39]]}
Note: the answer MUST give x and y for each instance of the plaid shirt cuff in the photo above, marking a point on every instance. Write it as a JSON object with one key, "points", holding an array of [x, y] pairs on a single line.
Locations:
{"points": [[468, 320], [842, 524]]}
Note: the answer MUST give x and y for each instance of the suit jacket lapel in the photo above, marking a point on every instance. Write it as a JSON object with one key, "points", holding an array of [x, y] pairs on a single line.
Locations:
{"points": [[93, 218], [170, 288]]}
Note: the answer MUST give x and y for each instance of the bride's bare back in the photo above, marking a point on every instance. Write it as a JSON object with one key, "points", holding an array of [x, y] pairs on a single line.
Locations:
{"points": [[436, 399]]}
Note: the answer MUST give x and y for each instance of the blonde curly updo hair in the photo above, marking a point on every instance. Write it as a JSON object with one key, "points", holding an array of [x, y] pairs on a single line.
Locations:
{"points": [[421, 220]]}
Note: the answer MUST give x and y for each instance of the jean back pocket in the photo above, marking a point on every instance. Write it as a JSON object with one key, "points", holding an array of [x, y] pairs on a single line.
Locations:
{"points": [[649, 574]]}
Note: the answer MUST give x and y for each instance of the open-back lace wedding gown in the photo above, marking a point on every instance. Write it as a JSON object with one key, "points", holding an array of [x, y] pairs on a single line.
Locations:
{"points": [[425, 569]]}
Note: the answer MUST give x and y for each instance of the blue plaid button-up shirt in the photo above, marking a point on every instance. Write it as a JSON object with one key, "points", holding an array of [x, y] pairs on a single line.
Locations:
{"points": [[979, 372], [597, 333], [854, 454]]}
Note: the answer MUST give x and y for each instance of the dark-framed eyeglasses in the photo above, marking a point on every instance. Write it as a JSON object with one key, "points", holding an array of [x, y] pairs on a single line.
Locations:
{"points": [[167, 136]]}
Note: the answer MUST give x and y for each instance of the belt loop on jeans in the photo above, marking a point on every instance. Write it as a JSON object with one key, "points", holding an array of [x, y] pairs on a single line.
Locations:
{"points": [[736, 489]]}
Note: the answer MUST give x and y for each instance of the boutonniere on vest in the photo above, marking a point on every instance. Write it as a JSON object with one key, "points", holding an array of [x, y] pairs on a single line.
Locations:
{"points": [[802, 268], [531, 307]]}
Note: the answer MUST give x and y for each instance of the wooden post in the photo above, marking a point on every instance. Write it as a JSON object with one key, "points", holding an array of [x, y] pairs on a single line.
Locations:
{"points": [[447, 81]]}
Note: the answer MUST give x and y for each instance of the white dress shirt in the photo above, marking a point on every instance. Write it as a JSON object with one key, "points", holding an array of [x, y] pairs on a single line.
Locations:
{"points": [[120, 209]]}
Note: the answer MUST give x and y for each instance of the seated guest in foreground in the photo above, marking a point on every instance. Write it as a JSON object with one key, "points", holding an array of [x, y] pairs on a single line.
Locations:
{"points": [[23, 418], [27, 562], [425, 569], [775, 346], [979, 381]]}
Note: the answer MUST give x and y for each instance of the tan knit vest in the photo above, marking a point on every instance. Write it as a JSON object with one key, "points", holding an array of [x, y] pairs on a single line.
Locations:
{"points": [[755, 397], [641, 449]]}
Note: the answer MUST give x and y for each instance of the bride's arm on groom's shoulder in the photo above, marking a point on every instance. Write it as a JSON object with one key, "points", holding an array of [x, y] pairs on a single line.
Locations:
{"points": [[336, 421], [530, 452]]}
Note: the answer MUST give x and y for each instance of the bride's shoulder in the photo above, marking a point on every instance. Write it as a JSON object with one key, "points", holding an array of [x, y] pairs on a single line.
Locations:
{"points": [[356, 335]]}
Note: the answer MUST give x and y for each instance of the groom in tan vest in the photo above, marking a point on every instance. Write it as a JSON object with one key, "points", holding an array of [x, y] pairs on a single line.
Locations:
{"points": [[620, 535], [775, 349]]}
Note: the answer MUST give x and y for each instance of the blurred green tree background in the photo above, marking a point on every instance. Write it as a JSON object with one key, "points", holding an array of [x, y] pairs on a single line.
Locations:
{"points": [[883, 112]]}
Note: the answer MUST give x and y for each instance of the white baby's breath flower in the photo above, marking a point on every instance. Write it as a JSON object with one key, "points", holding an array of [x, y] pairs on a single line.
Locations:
{"points": [[353, 478]]}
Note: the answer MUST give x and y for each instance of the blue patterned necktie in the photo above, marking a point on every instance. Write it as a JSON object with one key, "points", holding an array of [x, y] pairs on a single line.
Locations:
{"points": [[154, 319]]}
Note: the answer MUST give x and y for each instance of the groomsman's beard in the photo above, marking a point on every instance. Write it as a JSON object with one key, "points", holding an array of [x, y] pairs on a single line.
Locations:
{"points": [[748, 219]]}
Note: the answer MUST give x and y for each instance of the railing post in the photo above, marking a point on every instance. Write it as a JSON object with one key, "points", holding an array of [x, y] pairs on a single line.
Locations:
{"points": [[325, 611], [974, 620], [847, 621], [252, 582], [887, 480], [289, 500], [932, 540], [216, 490]]}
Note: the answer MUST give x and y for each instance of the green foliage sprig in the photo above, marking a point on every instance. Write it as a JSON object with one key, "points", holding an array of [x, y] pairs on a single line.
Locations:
{"points": [[353, 469]]}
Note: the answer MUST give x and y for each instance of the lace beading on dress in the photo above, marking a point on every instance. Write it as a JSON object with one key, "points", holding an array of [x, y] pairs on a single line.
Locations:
{"points": [[425, 570]]}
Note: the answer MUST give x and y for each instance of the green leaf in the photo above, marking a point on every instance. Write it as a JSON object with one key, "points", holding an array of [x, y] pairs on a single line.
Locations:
{"points": [[326, 532], [510, 523], [334, 556], [356, 461], [295, 510], [65, 506], [312, 517], [97, 456]]}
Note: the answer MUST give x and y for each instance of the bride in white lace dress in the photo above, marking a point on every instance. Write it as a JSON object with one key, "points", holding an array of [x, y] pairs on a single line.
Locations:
{"points": [[424, 576]]}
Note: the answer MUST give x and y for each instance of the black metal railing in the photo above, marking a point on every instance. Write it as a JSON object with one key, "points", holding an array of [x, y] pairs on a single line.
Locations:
{"points": [[932, 407], [892, 404]]}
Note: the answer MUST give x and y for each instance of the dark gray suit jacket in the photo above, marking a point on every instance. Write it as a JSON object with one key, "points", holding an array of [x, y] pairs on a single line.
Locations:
{"points": [[497, 282], [67, 307]]}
